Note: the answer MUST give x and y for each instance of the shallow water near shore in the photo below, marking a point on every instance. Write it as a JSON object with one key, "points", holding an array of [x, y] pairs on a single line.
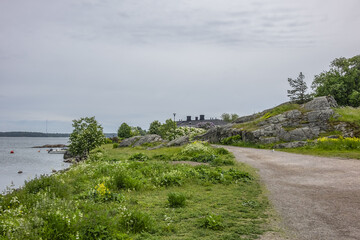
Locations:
{"points": [[27, 159]]}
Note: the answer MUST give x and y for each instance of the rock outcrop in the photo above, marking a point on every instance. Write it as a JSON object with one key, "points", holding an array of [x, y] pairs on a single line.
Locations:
{"points": [[297, 125], [178, 141], [140, 140]]}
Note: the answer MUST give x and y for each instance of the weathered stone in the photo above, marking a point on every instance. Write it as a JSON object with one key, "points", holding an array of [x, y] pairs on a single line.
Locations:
{"points": [[268, 140], [129, 141], [303, 126], [304, 133], [218, 133], [178, 141], [321, 103], [150, 138], [319, 116], [68, 155], [140, 140], [291, 144]]}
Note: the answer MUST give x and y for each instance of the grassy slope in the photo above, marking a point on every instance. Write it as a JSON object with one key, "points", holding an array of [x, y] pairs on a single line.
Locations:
{"points": [[63, 206]]}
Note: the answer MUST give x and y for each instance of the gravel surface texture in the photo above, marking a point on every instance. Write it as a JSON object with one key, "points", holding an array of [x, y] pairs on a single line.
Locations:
{"points": [[317, 198]]}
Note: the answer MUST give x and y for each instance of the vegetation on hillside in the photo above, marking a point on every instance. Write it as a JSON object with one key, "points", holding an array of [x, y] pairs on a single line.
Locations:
{"points": [[132, 193], [253, 125], [342, 81]]}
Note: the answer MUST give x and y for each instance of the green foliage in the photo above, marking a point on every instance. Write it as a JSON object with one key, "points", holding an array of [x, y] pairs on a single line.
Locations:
{"points": [[338, 143], [108, 141], [348, 114], [115, 145], [167, 130], [155, 127], [86, 136], [176, 199], [202, 152], [139, 157], [281, 109], [124, 131], [221, 151], [229, 117], [342, 81], [231, 140], [298, 92], [113, 198], [213, 222], [135, 221]]}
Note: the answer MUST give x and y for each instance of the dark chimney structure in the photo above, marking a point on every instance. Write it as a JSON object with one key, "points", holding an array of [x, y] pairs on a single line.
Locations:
{"points": [[196, 118], [188, 118], [202, 117]]}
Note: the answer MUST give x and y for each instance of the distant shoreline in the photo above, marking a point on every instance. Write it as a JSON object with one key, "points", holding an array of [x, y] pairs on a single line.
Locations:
{"points": [[33, 134], [40, 134]]}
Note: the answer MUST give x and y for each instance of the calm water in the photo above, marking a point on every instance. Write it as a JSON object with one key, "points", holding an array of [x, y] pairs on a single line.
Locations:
{"points": [[27, 159]]}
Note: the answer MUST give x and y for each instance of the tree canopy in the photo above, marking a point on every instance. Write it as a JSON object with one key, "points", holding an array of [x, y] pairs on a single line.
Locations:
{"points": [[298, 92], [342, 81], [155, 127], [86, 136], [124, 131]]}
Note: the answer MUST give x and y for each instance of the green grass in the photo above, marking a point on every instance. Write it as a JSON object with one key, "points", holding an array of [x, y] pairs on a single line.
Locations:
{"points": [[346, 154], [348, 114], [253, 125], [281, 109], [111, 196]]}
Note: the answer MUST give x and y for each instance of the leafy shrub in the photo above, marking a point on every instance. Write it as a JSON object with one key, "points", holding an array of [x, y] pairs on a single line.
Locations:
{"points": [[135, 221], [47, 183], [176, 199], [171, 178], [108, 141], [123, 181], [239, 175], [222, 151], [231, 140], [213, 222], [139, 157], [115, 145], [196, 148]]}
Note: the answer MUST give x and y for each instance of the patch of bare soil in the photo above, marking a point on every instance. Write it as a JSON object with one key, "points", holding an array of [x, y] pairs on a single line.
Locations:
{"points": [[317, 198]]}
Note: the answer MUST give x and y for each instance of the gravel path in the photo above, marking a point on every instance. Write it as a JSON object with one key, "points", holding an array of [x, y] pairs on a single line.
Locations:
{"points": [[317, 198]]}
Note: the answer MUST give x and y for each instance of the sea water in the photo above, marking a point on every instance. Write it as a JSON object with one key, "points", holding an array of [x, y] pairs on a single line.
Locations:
{"points": [[31, 161]]}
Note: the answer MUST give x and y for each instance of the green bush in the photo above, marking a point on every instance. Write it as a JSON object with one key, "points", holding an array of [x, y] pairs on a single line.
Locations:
{"points": [[108, 141], [176, 199], [231, 140], [139, 157], [47, 183], [115, 145], [221, 151], [213, 222], [123, 181], [136, 222]]}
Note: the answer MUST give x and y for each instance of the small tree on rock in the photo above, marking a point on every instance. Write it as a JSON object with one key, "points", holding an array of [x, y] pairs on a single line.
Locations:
{"points": [[86, 136], [298, 92]]}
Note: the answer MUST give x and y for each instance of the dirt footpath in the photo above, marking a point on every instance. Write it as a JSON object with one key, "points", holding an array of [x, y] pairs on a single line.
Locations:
{"points": [[317, 198]]}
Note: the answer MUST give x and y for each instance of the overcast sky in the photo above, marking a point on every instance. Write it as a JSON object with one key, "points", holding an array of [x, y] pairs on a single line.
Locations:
{"points": [[136, 61]]}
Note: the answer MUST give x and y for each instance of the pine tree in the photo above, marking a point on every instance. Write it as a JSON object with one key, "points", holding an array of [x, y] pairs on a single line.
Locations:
{"points": [[298, 92]]}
